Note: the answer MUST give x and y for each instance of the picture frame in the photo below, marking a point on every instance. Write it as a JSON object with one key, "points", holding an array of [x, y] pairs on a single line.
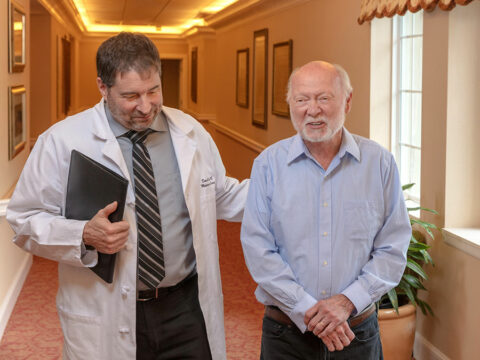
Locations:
{"points": [[194, 74], [260, 77], [243, 75], [17, 123], [282, 68], [16, 37]]}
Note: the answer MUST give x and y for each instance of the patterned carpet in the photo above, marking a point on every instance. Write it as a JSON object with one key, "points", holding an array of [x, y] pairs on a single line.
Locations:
{"points": [[33, 331]]}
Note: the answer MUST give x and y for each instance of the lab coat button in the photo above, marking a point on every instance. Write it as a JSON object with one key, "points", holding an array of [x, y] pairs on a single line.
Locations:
{"points": [[125, 291], [128, 247], [124, 330]]}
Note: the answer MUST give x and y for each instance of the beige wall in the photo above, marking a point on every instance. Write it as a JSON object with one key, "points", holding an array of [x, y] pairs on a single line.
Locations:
{"points": [[41, 73], [11, 258], [325, 30], [46, 74], [450, 170]]}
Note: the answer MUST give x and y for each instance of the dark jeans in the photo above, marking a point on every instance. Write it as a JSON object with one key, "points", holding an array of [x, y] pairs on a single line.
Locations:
{"points": [[285, 342], [173, 326]]}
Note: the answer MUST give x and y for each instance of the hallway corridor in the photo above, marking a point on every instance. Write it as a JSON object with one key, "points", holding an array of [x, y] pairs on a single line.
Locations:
{"points": [[33, 331]]}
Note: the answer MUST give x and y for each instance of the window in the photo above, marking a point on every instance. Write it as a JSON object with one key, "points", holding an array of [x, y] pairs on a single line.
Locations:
{"points": [[407, 99]]}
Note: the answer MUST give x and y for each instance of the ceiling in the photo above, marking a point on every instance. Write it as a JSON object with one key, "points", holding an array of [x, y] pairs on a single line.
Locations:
{"points": [[152, 16]]}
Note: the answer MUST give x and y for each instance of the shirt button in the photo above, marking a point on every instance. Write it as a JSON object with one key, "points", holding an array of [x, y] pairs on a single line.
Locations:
{"points": [[325, 233], [325, 263], [325, 204], [324, 292]]}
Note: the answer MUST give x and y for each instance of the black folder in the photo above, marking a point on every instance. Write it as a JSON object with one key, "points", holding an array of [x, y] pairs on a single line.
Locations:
{"points": [[92, 186]]}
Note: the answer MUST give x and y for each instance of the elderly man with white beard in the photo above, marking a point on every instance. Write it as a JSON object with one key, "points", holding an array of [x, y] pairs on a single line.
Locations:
{"points": [[325, 230]]}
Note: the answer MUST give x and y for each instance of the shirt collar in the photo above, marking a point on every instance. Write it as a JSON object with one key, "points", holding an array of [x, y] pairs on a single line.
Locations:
{"points": [[298, 147], [158, 124], [349, 145]]}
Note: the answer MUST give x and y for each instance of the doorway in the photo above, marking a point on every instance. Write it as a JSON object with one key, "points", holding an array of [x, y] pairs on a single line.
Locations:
{"points": [[171, 82]]}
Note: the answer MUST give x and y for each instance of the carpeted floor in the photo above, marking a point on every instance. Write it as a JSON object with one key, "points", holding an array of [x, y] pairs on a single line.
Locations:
{"points": [[33, 331]]}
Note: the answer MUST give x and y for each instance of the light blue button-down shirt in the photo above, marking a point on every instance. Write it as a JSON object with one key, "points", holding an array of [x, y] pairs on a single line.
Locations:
{"points": [[310, 233]]}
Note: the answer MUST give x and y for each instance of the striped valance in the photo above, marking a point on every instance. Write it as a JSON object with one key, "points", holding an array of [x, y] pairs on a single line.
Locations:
{"points": [[381, 8]]}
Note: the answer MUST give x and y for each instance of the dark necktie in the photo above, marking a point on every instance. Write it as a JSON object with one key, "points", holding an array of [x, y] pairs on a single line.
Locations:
{"points": [[151, 267]]}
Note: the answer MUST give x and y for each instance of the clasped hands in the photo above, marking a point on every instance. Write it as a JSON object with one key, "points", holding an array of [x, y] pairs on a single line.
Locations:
{"points": [[327, 319]]}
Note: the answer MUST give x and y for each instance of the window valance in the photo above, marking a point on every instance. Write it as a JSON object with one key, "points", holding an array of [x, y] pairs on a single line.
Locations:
{"points": [[389, 8]]}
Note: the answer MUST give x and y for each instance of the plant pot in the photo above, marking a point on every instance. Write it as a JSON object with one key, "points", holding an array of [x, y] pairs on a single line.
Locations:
{"points": [[397, 332]]}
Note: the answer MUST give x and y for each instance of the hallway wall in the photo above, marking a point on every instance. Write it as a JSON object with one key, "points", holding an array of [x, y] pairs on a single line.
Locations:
{"points": [[14, 263]]}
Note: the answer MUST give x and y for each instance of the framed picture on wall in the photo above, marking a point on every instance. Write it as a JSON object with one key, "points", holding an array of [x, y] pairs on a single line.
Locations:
{"points": [[194, 74], [242, 78], [260, 71], [16, 37], [17, 127], [282, 67]]}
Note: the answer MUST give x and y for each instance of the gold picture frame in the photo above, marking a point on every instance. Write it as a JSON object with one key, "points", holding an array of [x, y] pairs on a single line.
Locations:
{"points": [[260, 77], [194, 74], [242, 77], [282, 68], [16, 37], [17, 124]]}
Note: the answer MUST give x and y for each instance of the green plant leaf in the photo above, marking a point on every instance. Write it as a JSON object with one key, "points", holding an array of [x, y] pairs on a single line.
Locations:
{"points": [[416, 255], [429, 309], [418, 246], [427, 258], [414, 281], [416, 268], [393, 297], [421, 208], [407, 186], [408, 291], [422, 306]]}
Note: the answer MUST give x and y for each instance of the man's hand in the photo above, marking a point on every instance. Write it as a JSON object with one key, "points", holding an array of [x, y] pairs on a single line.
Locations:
{"points": [[327, 320], [341, 337], [103, 235]]}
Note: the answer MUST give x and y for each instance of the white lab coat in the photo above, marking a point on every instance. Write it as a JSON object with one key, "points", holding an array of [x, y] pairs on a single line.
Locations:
{"points": [[98, 319]]}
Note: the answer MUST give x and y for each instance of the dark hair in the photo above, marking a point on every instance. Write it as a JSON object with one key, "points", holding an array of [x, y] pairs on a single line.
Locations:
{"points": [[123, 52]]}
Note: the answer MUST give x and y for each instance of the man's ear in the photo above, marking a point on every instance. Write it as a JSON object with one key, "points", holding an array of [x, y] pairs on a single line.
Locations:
{"points": [[348, 103], [102, 87]]}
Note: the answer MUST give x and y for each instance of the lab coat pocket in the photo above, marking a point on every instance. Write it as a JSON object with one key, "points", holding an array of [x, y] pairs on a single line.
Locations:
{"points": [[81, 334], [360, 219]]}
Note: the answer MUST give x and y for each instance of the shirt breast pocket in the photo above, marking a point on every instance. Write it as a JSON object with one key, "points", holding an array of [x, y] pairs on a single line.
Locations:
{"points": [[361, 219]]}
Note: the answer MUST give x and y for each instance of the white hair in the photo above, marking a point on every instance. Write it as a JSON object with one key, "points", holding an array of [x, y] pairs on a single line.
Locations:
{"points": [[342, 75]]}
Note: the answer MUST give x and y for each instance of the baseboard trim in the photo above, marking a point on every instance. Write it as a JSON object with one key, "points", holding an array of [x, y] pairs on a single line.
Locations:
{"points": [[425, 350], [11, 297]]}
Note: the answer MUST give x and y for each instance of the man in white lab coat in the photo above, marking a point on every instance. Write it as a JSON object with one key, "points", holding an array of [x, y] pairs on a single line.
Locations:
{"points": [[182, 316]]}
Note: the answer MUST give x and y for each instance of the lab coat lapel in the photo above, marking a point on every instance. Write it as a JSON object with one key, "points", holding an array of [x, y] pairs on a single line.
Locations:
{"points": [[111, 148], [185, 147]]}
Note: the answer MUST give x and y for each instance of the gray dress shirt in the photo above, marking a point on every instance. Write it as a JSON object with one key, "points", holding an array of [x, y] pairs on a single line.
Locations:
{"points": [[179, 254]]}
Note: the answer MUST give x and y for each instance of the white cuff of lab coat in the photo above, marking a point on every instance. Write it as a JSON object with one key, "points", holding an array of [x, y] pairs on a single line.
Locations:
{"points": [[298, 313], [358, 296], [89, 257]]}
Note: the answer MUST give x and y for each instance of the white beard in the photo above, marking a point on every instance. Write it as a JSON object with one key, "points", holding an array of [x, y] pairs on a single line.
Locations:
{"points": [[320, 135]]}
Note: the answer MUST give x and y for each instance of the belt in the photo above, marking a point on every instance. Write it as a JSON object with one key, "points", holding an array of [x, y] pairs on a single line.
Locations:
{"points": [[278, 315], [158, 293]]}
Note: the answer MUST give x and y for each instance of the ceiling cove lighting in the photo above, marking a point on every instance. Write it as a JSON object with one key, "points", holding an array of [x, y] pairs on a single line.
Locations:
{"points": [[215, 6]]}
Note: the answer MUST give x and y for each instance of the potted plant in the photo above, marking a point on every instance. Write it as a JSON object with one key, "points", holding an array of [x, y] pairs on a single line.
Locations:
{"points": [[397, 308]]}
